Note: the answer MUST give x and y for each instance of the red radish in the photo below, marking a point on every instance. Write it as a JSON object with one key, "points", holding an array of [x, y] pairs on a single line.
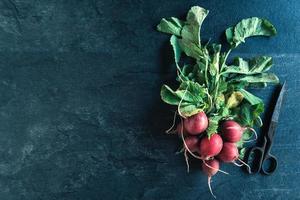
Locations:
{"points": [[210, 147], [233, 132], [210, 168], [196, 124], [192, 143], [229, 152]]}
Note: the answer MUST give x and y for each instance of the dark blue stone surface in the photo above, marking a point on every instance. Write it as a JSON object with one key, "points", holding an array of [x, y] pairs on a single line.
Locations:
{"points": [[80, 112]]}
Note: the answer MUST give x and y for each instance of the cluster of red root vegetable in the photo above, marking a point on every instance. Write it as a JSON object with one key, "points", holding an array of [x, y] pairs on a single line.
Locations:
{"points": [[220, 147]]}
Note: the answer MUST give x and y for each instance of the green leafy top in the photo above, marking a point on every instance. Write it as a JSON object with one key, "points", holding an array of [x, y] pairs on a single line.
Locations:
{"points": [[247, 28], [209, 83]]}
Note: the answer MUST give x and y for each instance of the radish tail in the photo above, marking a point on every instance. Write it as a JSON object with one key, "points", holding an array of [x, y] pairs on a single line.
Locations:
{"points": [[236, 164], [180, 151], [187, 161], [174, 120], [215, 168], [249, 168], [209, 186], [255, 134], [171, 131]]}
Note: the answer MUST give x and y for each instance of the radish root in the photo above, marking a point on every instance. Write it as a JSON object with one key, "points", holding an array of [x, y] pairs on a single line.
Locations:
{"points": [[187, 161], [209, 186], [169, 131], [249, 168], [255, 134], [236, 164], [215, 168], [180, 151]]}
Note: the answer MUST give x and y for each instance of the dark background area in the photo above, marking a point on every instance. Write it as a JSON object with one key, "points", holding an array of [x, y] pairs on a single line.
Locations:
{"points": [[80, 112]]}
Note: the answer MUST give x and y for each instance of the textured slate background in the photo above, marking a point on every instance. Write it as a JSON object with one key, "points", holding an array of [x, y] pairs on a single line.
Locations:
{"points": [[80, 113]]}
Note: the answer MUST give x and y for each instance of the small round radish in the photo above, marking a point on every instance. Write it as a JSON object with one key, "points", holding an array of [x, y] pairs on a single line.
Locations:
{"points": [[229, 152], [196, 124], [210, 168], [192, 143], [210, 147], [232, 131]]}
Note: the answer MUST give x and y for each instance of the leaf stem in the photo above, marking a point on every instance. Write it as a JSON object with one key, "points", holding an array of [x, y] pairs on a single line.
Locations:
{"points": [[219, 75], [225, 59], [205, 74], [179, 73], [210, 101], [217, 87], [179, 112]]}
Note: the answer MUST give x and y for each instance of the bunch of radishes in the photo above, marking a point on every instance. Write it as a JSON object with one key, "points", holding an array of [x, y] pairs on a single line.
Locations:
{"points": [[219, 147], [212, 96]]}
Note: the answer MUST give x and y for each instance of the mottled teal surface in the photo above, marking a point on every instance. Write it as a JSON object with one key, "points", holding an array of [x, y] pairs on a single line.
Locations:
{"points": [[80, 112]]}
